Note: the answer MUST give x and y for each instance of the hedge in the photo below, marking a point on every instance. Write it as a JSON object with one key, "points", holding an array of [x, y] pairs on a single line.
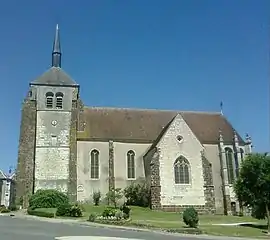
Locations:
{"points": [[48, 198], [40, 213]]}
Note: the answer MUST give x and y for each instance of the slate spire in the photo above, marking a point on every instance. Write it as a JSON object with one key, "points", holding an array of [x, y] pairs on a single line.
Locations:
{"points": [[56, 53]]}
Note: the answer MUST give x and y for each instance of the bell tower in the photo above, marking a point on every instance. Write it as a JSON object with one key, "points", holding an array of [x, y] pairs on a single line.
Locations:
{"points": [[48, 131]]}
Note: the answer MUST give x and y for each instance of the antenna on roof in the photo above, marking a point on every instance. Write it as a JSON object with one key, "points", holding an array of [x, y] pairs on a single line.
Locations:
{"points": [[221, 108]]}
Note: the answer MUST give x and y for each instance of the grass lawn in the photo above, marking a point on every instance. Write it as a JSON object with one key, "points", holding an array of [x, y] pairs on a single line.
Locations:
{"points": [[143, 214], [167, 220]]}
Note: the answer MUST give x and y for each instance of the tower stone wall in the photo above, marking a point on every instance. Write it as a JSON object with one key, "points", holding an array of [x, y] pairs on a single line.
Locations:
{"points": [[26, 154]]}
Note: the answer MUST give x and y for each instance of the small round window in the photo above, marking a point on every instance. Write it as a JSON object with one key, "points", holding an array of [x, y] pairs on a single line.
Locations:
{"points": [[179, 138]]}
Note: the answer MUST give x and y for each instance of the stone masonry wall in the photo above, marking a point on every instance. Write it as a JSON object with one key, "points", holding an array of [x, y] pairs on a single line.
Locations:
{"points": [[26, 155], [209, 192], [77, 105], [155, 188], [111, 166]]}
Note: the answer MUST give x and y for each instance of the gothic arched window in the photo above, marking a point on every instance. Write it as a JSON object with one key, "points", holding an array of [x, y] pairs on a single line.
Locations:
{"points": [[49, 100], [59, 100], [229, 162], [181, 171], [131, 164], [94, 164]]}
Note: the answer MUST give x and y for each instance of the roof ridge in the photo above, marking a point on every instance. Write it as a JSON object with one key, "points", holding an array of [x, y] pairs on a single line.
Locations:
{"points": [[153, 109]]}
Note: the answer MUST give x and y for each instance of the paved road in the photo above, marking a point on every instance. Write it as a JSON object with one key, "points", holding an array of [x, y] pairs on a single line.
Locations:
{"points": [[31, 229]]}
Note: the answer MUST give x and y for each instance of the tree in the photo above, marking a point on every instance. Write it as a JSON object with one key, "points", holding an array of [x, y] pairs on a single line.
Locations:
{"points": [[114, 195], [252, 187]]}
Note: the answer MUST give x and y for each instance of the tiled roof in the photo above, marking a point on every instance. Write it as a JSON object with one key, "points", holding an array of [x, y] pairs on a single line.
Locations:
{"points": [[145, 125], [55, 76]]}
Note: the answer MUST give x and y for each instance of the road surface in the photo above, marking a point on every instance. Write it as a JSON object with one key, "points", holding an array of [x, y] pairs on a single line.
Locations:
{"points": [[31, 229]]}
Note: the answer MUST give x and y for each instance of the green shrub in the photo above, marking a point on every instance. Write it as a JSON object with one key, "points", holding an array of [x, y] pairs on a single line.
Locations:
{"points": [[40, 213], [69, 210], [190, 217], [109, 212], [96, 198], [138, 194], [63, 210], [126, 211], [48, 199], [92, 217], [4, 210], [75, 211]]}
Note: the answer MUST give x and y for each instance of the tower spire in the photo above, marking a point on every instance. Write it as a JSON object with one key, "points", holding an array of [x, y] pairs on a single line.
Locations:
{"points": [[56, 53]]}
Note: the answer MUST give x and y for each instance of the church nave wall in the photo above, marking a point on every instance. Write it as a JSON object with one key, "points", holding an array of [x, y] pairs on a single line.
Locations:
{"points": [[92, 169]]}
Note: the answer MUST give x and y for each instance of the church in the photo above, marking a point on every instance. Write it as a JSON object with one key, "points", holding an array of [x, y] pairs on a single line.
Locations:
{"points": [[187, 158]]}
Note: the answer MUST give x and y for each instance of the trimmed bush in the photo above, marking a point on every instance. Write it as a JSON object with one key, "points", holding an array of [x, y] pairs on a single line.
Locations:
{"points": [[190, 217], [63, 210], [138, 194], [48, 199], [40, 213]]}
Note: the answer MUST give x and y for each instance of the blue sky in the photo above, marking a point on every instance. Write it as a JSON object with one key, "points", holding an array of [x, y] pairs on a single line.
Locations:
{"points": [[186, 55]]}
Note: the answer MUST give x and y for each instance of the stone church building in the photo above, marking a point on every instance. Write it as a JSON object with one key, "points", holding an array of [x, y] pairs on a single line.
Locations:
{"points": [[188, 158]]}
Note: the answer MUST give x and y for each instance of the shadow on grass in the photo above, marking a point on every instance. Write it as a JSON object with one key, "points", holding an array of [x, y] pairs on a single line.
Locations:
{"points": [[258, 226]]}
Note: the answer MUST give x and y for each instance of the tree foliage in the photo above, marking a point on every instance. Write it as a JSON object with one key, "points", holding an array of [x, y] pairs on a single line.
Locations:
{"points": [[252, 187], [114, 195]]}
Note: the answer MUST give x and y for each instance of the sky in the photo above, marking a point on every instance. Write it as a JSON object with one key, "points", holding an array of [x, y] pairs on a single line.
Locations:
{"points": [[176, 54]]}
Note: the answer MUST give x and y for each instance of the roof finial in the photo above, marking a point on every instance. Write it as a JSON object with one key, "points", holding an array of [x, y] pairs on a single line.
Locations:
{"points": [[221, 108], [248, 139], [56, 53]]}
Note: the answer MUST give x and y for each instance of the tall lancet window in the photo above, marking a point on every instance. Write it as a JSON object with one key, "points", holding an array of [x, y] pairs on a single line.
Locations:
{"points": [[229, 162], [181, 171], [131, 164], [94, 164]]}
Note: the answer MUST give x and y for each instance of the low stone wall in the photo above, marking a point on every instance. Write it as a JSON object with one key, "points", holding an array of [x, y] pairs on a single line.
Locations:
{"points": [[201, 209]]}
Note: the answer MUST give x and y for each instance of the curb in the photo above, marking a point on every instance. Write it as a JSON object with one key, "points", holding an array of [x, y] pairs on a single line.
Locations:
{"points": [[122, 228]]}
